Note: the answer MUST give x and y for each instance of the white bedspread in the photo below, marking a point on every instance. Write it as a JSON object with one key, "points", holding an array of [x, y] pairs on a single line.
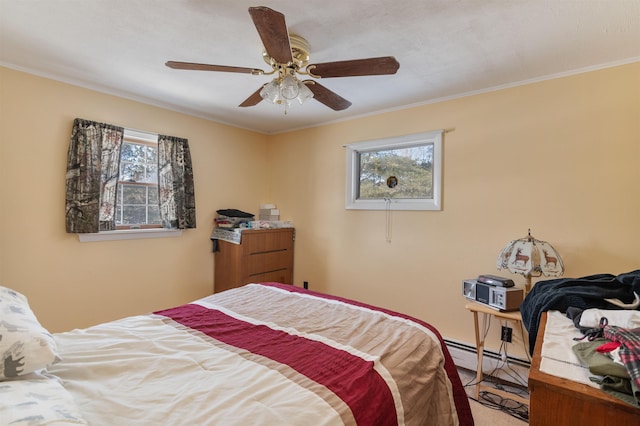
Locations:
{"points": [[262, 355], [201, 371]]}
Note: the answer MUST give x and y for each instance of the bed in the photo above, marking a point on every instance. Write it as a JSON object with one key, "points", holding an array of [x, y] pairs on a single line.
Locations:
{"points": [[261, 354]]}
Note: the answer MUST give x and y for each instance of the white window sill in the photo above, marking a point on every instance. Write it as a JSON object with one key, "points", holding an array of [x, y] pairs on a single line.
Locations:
{"points": [[130, 234]]}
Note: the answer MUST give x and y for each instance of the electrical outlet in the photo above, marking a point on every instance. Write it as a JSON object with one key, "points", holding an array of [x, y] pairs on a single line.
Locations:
{"points": [[305, 284], [506, 334]]}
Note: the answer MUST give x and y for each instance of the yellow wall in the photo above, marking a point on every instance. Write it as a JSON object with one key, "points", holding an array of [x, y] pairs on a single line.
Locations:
{"points": [[71, 284], [559, 157]]}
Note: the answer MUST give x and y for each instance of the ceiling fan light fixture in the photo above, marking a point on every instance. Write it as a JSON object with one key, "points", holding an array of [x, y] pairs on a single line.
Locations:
{"points": [[285, 90], [271, 92], [304, 93], [289, 88]]}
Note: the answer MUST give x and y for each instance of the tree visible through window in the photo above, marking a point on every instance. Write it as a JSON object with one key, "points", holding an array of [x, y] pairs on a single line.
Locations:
{"points": [[412, 168], [137, 194], [398, 173]]}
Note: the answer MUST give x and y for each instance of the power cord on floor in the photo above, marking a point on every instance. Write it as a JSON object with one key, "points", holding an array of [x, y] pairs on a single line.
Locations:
{"points": [[518, 387], [486, 398], [513, 408]]}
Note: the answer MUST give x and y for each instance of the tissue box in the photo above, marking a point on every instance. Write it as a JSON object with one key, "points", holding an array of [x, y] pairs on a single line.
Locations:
{"points": [[269, 214]]}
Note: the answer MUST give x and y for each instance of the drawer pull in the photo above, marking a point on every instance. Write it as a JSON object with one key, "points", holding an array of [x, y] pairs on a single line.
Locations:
{"points": [[267, 272], [266, 251]]}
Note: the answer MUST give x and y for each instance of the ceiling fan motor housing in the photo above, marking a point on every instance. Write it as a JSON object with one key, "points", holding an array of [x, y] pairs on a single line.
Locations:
{"points": [[299, 52]]}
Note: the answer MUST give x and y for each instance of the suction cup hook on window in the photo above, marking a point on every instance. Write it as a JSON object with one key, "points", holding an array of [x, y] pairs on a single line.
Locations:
{"points": [[392, 182]]}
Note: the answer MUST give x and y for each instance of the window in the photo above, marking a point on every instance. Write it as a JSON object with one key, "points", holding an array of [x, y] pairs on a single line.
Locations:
{"points": [[111, 194], [137, 203], [400, 173]]}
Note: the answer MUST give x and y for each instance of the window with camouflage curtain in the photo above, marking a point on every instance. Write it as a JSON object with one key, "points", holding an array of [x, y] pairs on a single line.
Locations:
{"points": [[92, 179], [92, 176]]}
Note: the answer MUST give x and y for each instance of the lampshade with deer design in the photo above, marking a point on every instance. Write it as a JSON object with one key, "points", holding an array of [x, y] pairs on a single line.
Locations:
{"points": [[531, 258]]}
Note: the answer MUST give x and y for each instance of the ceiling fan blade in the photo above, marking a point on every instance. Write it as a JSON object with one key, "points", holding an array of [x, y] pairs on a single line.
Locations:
{"points": [[254, 99], [273, 32], [327, 97], [206, 67], [355, 67]]}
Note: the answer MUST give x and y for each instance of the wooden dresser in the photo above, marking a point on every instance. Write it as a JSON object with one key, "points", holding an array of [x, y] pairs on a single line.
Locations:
{"points": [[263, 255], [557, 401]]}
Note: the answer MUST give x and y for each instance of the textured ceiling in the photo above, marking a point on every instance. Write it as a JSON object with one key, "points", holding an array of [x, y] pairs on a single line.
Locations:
{"points": [[446, 48]]}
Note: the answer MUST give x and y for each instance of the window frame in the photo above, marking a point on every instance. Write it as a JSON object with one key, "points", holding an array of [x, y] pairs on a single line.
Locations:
{"points": [[353, 151], [129, 234], [141, 138]]}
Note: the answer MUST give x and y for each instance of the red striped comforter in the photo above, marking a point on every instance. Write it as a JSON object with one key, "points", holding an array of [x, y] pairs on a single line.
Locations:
{"points": [[264, 354]]}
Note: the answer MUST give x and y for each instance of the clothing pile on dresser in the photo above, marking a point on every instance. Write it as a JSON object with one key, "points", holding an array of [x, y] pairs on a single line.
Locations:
{"points": [[604, 308], [610, 347], [603, 291]]}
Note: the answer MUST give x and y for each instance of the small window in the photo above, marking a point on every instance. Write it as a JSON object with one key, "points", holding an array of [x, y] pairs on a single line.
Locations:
{"points": [[137, 203], [400, 173]]}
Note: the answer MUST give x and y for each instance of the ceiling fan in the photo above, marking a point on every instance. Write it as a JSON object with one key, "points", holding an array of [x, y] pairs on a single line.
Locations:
{"points": [[288, 56]]}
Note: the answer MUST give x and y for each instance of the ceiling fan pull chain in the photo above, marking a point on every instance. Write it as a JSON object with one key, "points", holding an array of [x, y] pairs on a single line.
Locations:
{"points": [[388, 219]]}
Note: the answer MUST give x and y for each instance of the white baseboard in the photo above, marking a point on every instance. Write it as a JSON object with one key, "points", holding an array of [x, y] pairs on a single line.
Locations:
{"points": [[510, 369]]}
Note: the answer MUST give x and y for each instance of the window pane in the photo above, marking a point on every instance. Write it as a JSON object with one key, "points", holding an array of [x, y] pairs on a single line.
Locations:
{"points": [[132, 194], [412, 167], [131, 172], [132, 152], [152, 152], [134, 215], [138, 163], [153, 195], [154, 215], [151, 174], [126, 152]]}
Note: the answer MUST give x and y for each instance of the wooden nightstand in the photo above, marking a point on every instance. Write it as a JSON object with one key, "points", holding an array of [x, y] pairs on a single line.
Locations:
{"points": [[513, 316]]}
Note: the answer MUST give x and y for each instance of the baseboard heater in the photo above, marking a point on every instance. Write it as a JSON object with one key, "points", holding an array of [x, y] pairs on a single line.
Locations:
{"points": [[512, 369]]}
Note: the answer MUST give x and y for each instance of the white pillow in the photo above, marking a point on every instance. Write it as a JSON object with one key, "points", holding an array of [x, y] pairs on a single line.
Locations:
{"points": [[37, 402], [25, 346]]}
